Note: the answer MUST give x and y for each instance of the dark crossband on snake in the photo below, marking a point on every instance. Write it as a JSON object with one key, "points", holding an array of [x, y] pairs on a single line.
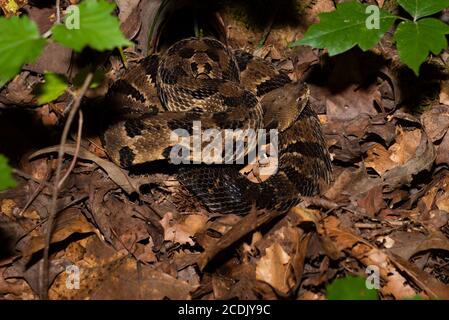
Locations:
{"points": [[200, 80]]}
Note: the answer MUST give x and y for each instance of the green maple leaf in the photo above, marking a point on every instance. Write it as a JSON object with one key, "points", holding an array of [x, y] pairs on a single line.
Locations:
{"points": [[423, 8], [346, 27], [414, 40], [91, 25], [350, 288], [6, 179], [54, 86], [20, 43]]}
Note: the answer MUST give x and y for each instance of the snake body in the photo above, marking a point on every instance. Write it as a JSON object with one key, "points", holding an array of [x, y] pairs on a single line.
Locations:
{"points": [[200, 79]]}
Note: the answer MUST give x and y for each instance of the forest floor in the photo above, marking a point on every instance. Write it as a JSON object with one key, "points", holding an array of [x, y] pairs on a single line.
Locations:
{"points": [[142, 236]]}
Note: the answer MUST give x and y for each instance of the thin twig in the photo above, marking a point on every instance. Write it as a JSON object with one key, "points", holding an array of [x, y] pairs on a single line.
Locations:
{"points": [[58, 11], [77, 149], [36, 193], [43, 287]]}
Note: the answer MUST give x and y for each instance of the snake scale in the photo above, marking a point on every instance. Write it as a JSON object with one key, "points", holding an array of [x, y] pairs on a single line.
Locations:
{"points": [[201, 79]]}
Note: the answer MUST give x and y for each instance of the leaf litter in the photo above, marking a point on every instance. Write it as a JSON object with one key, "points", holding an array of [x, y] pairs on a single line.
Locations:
{"points": [[140, 235]]}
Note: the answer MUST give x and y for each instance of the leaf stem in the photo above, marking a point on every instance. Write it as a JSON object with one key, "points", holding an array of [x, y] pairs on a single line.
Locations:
{"points": [[402, 18]]}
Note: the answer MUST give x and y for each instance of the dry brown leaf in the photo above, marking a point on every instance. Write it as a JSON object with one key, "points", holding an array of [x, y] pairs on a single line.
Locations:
{"points": [[372, 202], [7, 206], [382, 128], [247, 224], [436, 121], [442, 201], [406, 244], [182, 232], [147, 255], [434, 288], [352, 184], [378, 158], [116, 174], [420, 160], [125, 281], [396, 284], [117, 220], [437, 219], [426, 202], [444, 93], [31, 274], [435, 241], [405, 147], [68, 222], [15, 288], [366, 253], [54, 58], [221, 286], [349, 103], [274, 268], [443, 151], [95, 258]]}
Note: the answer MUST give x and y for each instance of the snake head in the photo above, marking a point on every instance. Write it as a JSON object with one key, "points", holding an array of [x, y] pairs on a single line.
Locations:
{"points": [[283, 105]]}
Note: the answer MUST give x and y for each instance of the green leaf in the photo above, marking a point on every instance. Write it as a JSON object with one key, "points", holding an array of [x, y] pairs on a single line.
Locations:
{"points": [[6, 179], [92, 25], [350, 288], [346, 27], [20, 42], [423, 8], [54, 86], [414, 40]]}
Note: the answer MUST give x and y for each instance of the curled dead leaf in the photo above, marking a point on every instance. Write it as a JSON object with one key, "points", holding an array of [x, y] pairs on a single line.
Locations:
{"points": [[182, 232], [421, 160], [273, 268]]}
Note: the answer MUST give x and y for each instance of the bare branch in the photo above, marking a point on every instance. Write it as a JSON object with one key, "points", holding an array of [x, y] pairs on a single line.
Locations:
{"points": [[43, 286]]}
